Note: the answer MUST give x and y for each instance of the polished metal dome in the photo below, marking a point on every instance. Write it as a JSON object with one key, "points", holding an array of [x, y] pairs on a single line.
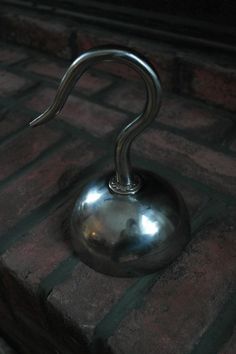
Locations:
{"points": [[129, 235]]}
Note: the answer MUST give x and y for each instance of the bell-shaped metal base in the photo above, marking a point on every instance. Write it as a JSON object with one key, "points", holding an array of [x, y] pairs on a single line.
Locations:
{"points": [[129, 235]]}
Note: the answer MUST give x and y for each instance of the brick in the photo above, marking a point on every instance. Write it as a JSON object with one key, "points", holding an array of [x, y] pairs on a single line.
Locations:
{"points": [[94, 118], [41, 183], [164, 63], [31, 259], [230, 346], [193, 198], [213, 168], [26, 147], [177, 112], [11, 121], [47, 68], [129, 96], [43, 34], [186, 299], [39, 252], [88, 84], [195, 120], [119, 70], [85, 298], [11, 55], [10, 84], [210, 82], [88, 38], [162, 57]]}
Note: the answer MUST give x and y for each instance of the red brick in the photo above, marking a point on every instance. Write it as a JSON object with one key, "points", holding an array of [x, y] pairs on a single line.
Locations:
{"points": [[186, 299], [230, 347], [129, 96], [199, 121], [88, 84], [201, 163], [11, 122], [86, 297], [119, 70], [209, 82], [194, 198], [177, 112], [26, 147], [40, 33], [94, 118], [164, 64], [40, 251], [11, 55], [10, 83], [33, 258], [48, 68], [33, 189], [87, 38], [162, 57]]}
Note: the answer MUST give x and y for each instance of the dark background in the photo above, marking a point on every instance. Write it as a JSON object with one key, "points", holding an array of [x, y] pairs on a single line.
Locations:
{"points": [[206, 23]]}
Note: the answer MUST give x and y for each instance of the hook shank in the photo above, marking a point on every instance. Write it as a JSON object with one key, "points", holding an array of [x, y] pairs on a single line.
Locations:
{"points": [[124, 181]]}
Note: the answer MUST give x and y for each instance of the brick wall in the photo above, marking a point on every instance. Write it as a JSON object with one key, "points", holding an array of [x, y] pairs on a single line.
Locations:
{"points": [[49, 301]]}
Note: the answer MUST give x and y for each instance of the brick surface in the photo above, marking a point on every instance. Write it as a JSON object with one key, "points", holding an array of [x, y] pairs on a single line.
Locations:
{"points": [[88, 84], [40, 250], [26, 147], [209, 82], [230, 347], [129, 96], [86, 297], [31, 190], [11, 55], [12, 121], [10, 84], [49, 36], [194, 119], [32, 259], [177, 112], [193, 198], [187, 298], [94, 118], [211, 167]]}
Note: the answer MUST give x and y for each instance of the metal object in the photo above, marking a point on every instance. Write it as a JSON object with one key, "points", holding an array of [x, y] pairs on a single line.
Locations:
{"points": [[126, 223]]}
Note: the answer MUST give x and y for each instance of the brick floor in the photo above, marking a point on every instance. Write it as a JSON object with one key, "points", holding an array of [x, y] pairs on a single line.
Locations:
{"points": [[49, 301]]}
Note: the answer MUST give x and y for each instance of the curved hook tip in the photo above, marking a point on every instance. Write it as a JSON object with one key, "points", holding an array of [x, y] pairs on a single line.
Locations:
{"points": [[34, 123], [42, 118]]}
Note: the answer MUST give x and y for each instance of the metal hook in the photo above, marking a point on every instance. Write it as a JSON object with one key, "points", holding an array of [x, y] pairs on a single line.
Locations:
{"points": [[124, 181]]}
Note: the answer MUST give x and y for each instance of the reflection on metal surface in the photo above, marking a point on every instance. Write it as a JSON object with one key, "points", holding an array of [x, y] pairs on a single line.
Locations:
{"points": [[149, 227], [92, 196]]}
